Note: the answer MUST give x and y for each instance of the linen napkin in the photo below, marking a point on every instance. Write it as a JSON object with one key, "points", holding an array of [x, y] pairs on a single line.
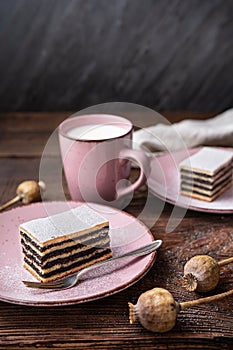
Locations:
{"points": [[216, 131]]}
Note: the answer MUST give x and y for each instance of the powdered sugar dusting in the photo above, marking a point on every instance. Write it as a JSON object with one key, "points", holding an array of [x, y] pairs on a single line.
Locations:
{"points": [[68, 222], [208, 159]]}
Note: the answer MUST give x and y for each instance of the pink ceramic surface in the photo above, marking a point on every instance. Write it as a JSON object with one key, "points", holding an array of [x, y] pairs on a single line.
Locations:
{"points": [[94, 168], [126, 233], [164, 182]]}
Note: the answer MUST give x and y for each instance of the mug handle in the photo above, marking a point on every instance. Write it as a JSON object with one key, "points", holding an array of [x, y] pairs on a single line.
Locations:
{"points": [[143, 162]]}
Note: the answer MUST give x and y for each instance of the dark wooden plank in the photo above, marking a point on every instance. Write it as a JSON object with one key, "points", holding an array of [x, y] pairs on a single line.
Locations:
{"points": [[27, 134], [31, 121], [47, 121]]}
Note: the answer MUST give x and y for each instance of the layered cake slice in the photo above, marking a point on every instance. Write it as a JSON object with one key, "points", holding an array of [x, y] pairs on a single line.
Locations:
{"points": [[59, 245], [206, 174]]}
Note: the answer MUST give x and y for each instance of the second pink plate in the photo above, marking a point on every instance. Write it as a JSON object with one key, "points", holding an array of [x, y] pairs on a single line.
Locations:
{"points": [[127, 233], [164, 182]]}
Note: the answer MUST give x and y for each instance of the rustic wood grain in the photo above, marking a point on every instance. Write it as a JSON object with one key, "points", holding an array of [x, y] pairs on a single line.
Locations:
{"points": [[26, 134], [161, 54], [103, 324]]}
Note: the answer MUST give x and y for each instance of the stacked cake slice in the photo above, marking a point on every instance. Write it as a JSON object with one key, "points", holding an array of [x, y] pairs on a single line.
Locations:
{"points": [[59, 245], [206, 174]]}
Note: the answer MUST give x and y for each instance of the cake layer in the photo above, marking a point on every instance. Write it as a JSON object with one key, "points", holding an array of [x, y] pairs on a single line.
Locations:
{"points": [[206, 178], [62, 271], [79, 256], [209, 192], [208, 160], [204, 196], [191, 183], [93, 238], [68, 224], [63, 252]]}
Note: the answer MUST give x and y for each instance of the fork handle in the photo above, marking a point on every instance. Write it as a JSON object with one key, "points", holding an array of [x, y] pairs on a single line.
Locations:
{"points": [[144, 250]]}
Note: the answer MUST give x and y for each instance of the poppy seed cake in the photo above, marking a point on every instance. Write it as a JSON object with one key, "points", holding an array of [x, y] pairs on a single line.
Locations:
{"points": [[62, 244]]}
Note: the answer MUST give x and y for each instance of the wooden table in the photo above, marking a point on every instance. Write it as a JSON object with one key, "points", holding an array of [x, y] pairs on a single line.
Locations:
{"points": [[104, 323]]}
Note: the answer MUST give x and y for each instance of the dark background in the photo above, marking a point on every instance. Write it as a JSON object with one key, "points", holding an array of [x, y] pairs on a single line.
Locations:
{"points": [[70, 54]]}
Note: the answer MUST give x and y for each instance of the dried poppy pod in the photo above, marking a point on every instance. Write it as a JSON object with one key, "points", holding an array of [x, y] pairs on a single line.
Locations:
{"points": [[27, 192], [156, 309], [202, 273]]}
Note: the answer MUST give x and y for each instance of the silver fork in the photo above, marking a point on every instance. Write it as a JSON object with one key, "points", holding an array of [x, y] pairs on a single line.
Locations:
{"points": [[71, 280]]}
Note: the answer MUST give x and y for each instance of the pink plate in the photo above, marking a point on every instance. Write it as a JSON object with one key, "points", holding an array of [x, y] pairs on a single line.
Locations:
{"points": [[126, 233], [164, 182]]}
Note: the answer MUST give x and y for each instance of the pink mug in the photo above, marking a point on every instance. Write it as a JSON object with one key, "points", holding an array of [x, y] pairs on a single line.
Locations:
{"points": [[96, 151]]}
